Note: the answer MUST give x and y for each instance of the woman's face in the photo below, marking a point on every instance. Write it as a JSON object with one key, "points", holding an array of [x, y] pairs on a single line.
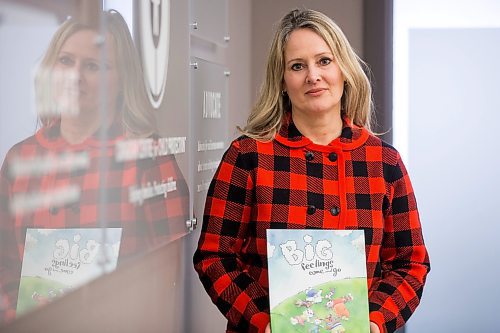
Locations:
{"points": [[81, 71], [312, 77]]}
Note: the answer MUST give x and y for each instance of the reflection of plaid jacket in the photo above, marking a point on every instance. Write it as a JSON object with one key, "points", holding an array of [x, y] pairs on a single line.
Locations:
{"points": [[104, 201], [356, 182]]}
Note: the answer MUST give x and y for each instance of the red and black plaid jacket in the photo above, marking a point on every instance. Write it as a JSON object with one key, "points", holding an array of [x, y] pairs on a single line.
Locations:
{"points": [[356, 182], [104, 201]]}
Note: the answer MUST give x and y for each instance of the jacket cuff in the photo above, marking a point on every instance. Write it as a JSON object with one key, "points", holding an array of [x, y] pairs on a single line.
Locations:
{"points": [[260, 321], [378, 318]]}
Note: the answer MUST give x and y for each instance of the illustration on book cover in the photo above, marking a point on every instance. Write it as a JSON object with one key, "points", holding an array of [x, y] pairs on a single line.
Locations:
{"points": [[58, 260], [317, 281]]}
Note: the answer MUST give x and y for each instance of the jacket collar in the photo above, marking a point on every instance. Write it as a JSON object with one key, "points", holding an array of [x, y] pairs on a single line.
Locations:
{"points": [[352, 136]]}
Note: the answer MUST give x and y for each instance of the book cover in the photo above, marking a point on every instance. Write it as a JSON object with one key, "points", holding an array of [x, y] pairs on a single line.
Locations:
{"points": [[317, 281], [58, 260]]}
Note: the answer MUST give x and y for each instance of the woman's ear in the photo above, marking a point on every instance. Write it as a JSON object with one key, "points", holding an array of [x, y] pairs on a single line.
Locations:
{"points": [[283, 88]]}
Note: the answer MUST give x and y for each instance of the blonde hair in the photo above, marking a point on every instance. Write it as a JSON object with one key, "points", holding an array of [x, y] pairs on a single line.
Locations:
{"points": [[134, 107], [267, 115]]}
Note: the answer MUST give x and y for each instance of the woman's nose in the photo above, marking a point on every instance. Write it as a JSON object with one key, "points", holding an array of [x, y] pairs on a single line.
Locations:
{"points": [[313, 75], [68, 77], [76, 74]]}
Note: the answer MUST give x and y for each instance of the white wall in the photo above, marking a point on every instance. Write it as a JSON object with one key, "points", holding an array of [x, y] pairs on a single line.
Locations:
{"points": [[24, 35], [448, 101]]}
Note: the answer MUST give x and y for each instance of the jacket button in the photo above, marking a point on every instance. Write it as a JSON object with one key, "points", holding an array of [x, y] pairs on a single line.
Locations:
{"points": [[332, 157], [309, 155], [335, 211], [311, 209], [53, 210]]}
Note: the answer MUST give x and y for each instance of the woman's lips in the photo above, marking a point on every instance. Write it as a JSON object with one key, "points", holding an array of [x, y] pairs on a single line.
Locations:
{"points": [[316, 91]]}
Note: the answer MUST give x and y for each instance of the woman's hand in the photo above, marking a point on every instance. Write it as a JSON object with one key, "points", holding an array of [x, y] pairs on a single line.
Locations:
{"points": [[373, 328], [268, 328]]}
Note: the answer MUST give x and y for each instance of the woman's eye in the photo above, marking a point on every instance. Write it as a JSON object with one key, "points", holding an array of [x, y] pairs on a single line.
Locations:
{"points": [[65, 60], [92, 66], [297, 67], [325, 61]]}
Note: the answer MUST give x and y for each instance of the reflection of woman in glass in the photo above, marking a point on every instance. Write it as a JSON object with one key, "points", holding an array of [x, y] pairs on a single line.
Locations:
{"points": [[92, 107]]}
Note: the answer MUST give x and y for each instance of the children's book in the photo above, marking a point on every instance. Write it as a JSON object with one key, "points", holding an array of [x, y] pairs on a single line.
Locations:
{"points": [[317, 281], [58, 260]]}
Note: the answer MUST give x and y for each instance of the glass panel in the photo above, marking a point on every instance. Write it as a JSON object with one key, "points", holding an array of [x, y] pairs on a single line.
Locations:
{"points": [[93, 146], [162, 40], [27, 31], [209, 20], [209, 118]]}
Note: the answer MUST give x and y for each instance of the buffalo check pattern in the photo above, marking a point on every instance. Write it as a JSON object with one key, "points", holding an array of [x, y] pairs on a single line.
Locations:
{"points": [[355, 182], [104, 201]]}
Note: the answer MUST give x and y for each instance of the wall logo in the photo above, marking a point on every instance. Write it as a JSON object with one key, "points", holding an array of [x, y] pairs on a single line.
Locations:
{"points": [[155, 40]]}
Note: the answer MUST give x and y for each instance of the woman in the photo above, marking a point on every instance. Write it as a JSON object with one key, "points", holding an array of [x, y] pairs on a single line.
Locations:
{"points": [[86, 167], [307, 159]]}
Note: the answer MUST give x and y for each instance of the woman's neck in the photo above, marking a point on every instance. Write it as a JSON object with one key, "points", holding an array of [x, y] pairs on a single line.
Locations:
{"points": [[77, 129], [321, 128]]}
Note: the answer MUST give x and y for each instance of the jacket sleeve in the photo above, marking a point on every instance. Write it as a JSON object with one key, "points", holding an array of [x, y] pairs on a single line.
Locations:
{"points": [[240, 298], [404, 258], [10, 265]]}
